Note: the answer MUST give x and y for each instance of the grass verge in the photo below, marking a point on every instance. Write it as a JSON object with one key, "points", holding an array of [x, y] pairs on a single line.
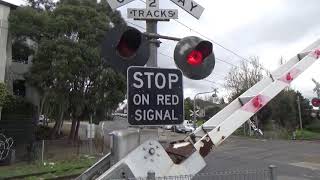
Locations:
{"points": [[48, 169], [307, 135]]}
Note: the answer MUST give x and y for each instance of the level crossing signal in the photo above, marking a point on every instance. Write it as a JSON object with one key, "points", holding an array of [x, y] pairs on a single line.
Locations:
{"points": [[123, 47], [126, 46], [194, 57]]}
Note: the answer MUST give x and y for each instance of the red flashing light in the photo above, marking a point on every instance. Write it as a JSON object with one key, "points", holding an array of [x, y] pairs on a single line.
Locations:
{"points": [[257, 102], [124, 50], [317, 53], [289, 77], [195, 58], [315, 102]]}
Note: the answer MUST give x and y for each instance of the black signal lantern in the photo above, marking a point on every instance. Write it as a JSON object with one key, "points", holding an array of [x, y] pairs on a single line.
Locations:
{"points": [[124, 47], [194, 57]]}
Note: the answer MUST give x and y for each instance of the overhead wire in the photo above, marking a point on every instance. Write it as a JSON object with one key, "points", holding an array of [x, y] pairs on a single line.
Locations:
{"points": [[208, 38]]}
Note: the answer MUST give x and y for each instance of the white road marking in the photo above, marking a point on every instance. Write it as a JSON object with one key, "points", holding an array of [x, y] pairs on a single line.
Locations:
{"points": [[313, 166]]}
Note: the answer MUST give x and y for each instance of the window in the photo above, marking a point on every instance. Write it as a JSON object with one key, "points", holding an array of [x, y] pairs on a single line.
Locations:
{"points": [[19, 88], [20, 52]]}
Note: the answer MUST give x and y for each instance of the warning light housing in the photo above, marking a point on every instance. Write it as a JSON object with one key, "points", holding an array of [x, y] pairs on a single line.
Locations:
{"points": [[123, 47], [194, 57]]}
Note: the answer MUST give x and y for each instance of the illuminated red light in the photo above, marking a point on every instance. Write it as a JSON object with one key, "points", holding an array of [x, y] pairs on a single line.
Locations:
{"points": [[315, 102], [289, 77], [317, 53], [257, 102], [195, 58], [124, 49]]}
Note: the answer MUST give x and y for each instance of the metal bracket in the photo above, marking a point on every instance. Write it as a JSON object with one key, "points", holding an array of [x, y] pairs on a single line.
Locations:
{"points": [[206, 147]]}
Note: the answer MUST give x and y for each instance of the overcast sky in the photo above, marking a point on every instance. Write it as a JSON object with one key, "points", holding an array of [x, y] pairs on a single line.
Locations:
{"points": [[269, 29]]}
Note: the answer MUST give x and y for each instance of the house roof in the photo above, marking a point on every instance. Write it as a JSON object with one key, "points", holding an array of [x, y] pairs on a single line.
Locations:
{"points": [[8, 4]]}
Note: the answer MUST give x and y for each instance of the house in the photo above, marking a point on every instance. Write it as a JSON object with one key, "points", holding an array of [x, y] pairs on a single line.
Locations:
{"points": [[13, 65]]}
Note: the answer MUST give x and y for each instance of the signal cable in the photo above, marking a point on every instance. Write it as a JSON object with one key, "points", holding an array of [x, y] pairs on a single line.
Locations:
{"points": [[206, 37], [219, 59]]}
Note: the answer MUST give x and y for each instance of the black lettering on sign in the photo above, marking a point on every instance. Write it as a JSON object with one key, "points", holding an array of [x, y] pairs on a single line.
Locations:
{"points": [[149, 14], [133, 11], [193, 6], [163, 13], [156, 13], [171, 13], [182, 1], [141, 12], [155, 96], [153, 3]]}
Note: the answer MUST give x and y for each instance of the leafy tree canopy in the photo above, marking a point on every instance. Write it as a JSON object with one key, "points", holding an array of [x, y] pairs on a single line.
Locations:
{"points": [[65, 38]]}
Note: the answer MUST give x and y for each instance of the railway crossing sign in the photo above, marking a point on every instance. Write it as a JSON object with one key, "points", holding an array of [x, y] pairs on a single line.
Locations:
{"points": [[190, 7], [152, 11], [153, 14], [155, 96], [114, 4]]}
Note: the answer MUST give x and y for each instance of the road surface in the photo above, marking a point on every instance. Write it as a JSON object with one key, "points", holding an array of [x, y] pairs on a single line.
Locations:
{"points": [[295, 160]]}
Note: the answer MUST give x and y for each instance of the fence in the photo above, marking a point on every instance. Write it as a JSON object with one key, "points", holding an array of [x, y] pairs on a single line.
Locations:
{"points": [[62, 149], [264, 174]]}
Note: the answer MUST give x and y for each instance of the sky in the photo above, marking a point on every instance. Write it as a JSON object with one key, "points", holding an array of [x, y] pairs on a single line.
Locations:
{"points": [[269, 29]]}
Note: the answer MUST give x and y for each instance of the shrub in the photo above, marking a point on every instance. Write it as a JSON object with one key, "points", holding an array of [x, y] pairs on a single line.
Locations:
{"points": [[3, 94], [314, 126]]}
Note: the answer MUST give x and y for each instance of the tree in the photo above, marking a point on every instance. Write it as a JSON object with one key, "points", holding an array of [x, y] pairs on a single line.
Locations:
{"points": [[3, 94], [67, 66], [284, 109], [188, 106], [240, 79], [211, 111]]}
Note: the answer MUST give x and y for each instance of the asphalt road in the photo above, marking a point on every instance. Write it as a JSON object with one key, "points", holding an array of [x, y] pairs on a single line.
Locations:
{"points": [[295, 160]]}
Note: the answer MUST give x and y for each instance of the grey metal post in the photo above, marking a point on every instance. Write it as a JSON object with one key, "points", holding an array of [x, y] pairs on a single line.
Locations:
{"points": [[194, 104], [273, 172], [151, 175], [42, 152], [90, 133], [151, 27], [194, 112], [299, 109]]}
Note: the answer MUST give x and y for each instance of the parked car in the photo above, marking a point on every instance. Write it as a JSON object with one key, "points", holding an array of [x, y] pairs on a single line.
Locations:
{"points": [[185, 127], [168, 127]]}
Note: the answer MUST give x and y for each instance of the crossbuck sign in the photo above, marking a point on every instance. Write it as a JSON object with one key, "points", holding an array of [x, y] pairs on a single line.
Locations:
{"points": [[153, 12], [155, 96]]}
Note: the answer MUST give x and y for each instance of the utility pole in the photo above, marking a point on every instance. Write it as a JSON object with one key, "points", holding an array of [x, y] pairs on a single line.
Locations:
{"points": [[194, 104], [151, 27], [299, 110]]}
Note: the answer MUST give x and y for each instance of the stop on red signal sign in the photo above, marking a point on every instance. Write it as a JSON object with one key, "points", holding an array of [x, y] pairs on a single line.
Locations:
{"points": [[315, 102]]}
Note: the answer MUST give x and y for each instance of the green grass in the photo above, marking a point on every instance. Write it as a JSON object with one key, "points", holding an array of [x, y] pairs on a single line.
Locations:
{"points": [[199, 122], [307, 135], [59, 168]]}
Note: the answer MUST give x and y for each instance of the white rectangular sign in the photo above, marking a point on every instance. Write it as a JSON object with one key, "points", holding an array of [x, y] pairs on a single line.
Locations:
{"points": [[158, 14], [114, 4], [190, 6], [152, 4]]}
